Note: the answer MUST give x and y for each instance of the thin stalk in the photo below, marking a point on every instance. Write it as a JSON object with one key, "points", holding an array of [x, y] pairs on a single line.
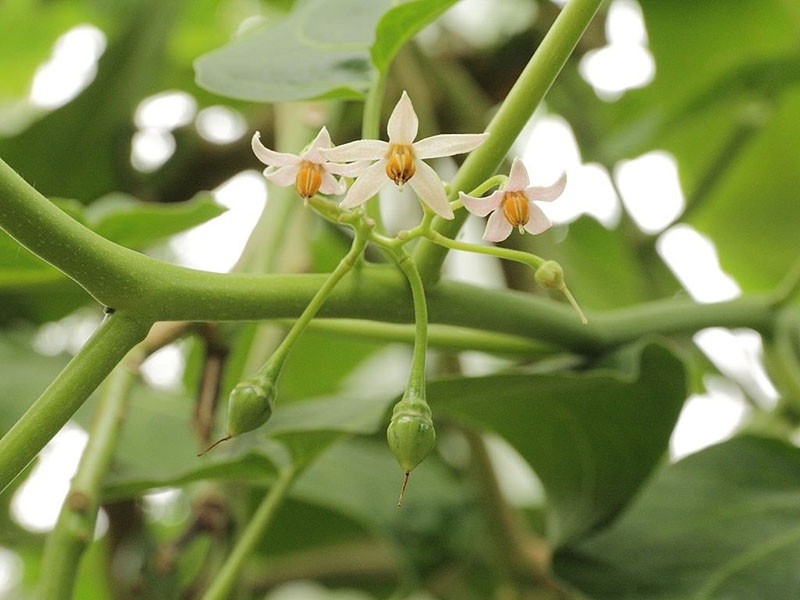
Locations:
{"points": [[76, 522], [68, 391], [531, 260], [275, 363], [416, 377], [529, 90], [224, 582], [370, 129]]}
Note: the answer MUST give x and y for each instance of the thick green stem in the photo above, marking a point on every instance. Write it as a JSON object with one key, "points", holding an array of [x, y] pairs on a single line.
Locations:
{"points": [[513, 114], [65, 395], [226, 579], [76, 522]]}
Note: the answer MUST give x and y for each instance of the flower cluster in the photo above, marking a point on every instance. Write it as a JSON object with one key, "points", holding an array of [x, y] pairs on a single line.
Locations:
{"points": [[401, 160]]}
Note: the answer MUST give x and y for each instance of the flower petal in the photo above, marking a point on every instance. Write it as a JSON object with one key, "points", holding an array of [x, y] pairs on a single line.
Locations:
{"points": [[448, 144], [321, 142], [537, 221], [270, 157], [430, 189], [497, 228], [284, 176], [349, 170], [517, 177], [331, 185], [547, 193], [403, 123], [358, 150], [482, 206], [366, 186]]}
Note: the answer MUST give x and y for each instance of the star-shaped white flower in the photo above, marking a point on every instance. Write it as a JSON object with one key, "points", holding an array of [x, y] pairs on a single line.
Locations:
{"points": [[400, 160], [513, 205], [309, 173]]}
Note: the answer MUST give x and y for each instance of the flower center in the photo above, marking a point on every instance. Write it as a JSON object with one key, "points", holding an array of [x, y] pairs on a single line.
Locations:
{"points": [[308, 179], [515, 209], [400, 163]]}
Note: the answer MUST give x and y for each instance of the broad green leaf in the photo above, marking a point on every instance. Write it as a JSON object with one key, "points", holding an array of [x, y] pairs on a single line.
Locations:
{"points": [[721, 524], [136, 224], [320, 50], [591, 438], [400, 24]]}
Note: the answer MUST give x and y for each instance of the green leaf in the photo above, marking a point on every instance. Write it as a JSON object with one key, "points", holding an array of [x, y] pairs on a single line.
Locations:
{"points": [[320, 50], [400, 24], [722, 523], [591, 438], [136, 224]]}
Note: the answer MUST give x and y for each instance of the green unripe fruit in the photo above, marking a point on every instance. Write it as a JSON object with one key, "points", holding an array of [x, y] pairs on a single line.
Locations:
{"points": [[249, 406], [410, 434], [550, 275]]}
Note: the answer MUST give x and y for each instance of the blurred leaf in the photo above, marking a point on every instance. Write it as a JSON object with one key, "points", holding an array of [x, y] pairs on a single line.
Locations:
{"points": [[591, 438], [722, 523], [136, 224], [400, 24], [320, 50]]}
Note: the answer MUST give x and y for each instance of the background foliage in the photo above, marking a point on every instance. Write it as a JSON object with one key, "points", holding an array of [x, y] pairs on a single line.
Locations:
{"points": [[612, 518]]}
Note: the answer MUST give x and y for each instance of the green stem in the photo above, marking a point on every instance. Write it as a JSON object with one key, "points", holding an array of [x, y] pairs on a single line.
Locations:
{"points": [[65, 395], [788, 287], [455, 339], [531, 260], [529, 90], [273, 366], [76, 522], [416, 377], [225, 580], [370, 129]]}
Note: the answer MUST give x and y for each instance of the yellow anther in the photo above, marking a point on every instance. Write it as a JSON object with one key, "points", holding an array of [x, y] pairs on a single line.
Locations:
{"points": [[308, 179], [400, 163], [515, 209]]}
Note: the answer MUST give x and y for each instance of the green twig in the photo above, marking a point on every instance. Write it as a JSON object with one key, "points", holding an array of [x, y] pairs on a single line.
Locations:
{"points": [[65, 395], [529, 90], [416, 378], [225, 580], [76, 522]]}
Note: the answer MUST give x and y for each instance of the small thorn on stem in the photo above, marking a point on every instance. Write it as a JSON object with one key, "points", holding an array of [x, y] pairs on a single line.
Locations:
{"points": [[215, 444], [403, 489]]}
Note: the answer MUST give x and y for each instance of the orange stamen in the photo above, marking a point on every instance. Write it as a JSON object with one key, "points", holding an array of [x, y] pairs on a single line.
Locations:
{"points": [[400, 163], [515, 209], [308, 179]]}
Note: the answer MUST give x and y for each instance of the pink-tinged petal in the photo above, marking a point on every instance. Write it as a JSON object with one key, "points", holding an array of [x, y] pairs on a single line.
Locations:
{"points": [[497, 228], [448, 144], [537, 221], [517, 177], [358, 150], [284, 176], [482, 206], [270, 157], [349, 170], [331, 185], [547, 193], [366, 186], [430, 189], [403, 123]]}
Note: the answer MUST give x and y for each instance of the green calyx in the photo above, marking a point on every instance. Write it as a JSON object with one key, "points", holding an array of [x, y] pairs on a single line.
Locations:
{"points": [[410, 434], [550, 275], [250, 405]]}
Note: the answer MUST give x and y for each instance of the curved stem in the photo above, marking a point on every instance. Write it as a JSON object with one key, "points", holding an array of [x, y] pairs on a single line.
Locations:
{"points": [[529, 90], [226, 579], [416, 376], [531, 260], [65, 395]]}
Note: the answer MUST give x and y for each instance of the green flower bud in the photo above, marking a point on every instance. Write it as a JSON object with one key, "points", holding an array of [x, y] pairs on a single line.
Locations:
{"points": [[249, 405], [550, 275], [410, 434]]}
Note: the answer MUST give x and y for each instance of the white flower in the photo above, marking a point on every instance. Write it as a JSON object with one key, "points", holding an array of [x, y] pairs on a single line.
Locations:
{"points": [[309, 172], [400, 159], [513, 205]]}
